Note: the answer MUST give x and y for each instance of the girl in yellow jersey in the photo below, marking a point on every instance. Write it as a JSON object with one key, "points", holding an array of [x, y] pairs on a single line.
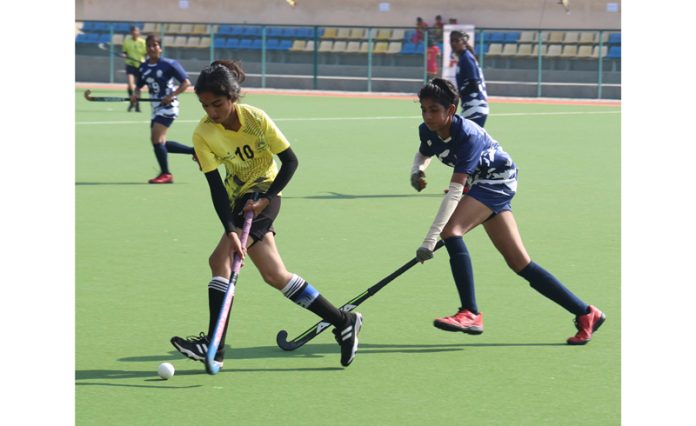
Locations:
{"points": [[244, 139]]}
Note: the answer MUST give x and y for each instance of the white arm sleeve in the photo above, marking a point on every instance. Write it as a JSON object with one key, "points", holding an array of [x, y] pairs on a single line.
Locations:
{"points": [[420, 163], [449, 203]]}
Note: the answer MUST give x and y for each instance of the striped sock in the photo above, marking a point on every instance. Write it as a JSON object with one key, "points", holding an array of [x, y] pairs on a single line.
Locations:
{"points": [[217, 287], [301, 292]]}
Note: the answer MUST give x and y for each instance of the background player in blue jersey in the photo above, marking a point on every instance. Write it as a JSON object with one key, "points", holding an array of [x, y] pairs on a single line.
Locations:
{"points": [[159, 73], [470, 82], [480, 191]]}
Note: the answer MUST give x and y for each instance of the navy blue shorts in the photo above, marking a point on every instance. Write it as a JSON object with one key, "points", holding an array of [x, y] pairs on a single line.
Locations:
{"points": [[166, 122], [132, 70]]}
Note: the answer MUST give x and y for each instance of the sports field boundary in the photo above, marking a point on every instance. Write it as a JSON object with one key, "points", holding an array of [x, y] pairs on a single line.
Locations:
{"points": [[380, 95]]}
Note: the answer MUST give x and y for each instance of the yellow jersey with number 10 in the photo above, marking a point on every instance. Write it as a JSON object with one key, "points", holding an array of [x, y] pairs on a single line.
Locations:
{"points": [[247, 154]]}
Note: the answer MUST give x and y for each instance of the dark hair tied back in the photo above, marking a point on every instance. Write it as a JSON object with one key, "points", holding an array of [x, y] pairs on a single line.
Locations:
{"points": [[222, 78], [441, 91]]}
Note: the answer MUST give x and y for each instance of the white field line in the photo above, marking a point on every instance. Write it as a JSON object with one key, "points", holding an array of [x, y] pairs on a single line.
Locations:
{"points": [[398, 117]]}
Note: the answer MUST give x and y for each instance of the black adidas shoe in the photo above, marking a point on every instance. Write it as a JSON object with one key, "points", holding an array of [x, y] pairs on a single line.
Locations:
{"points": [[196, 348], [347, 337]]}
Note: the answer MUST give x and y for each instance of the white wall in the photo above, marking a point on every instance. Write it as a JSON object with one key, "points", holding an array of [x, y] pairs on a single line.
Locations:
{"points": [[588, 14]]}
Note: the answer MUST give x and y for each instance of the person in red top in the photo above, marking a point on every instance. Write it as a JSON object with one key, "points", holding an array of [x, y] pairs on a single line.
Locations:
{"points": [[421, 28], [433, 68]]}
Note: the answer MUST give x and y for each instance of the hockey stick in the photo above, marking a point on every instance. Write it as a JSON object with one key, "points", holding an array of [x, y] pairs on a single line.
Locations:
{"points": [[210, 365], [89, 97], [318, 328]]}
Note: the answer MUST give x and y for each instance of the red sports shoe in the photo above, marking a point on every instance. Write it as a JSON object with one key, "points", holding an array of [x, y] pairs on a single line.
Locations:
{"points": [[464, 321], [163, 178], [586, 325]]}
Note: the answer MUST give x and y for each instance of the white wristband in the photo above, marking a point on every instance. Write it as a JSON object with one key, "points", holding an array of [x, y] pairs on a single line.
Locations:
{"points": [[449, 203], [420, 163]]}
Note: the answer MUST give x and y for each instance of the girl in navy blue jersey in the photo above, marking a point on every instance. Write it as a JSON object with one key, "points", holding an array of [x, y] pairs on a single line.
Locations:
{"points": [[159, 73], [480, 191], [470, 82]]}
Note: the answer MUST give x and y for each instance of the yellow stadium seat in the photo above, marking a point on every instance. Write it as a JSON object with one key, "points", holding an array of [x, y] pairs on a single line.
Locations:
{"points": [[365, 45], [339, 46], [150, 27], [172, 28], [495, 49], [329, 33], [193, 42], [357, 34], [571, 37], [205, 43], [587, 38], [524, 50], [186, 29], [555, 37], [595, 51], [180, 41], [394, 47], [509, 49], [384, 34], [570, 51], [200, 29], [309, 47], [554, 51], [298, 46], [168, 41], [117, 39], [325, 46], [353, 47], [397, 35], [585, 52], [381, 47], [527, 37], [343, 33]]}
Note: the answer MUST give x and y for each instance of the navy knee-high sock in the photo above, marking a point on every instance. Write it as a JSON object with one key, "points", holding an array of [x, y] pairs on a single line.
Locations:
{"points": [[542, 281], [161, 154], [463, 272], [178, 148]]}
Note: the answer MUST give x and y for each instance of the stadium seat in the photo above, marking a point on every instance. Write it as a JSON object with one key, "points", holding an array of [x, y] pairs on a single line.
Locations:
{"points": [[495, 37], [571, 37], [408, 48], [117, 39], [200, 29], [244, 43], [285, 45], [397, 35], [180, 41], [309, 47], [394, 47], [329, 33], [614, 52], [535, 50], [290, 32], [381, 47], [383, 34], [122, 27], [274, 32], [364, 46], [569, 51], [172, 28], [256, 44], [233, 43], [524, 50], [306, 32], [509, 49], [512, 36], [87, 27], [220, 42], [186, 29], [339, 46], [168, 41], [527, 37], [252, 31], [298, 46], [587, 37], [553, 51], [595, 51], [554, 37], [102, 27], [353, 47], [193, 42], [205, 42], [343, 33], [225, 29], [614, 38], [495, 49], [325, 46], [408, 36], [272, 44], [585, 51], [357, 34]]}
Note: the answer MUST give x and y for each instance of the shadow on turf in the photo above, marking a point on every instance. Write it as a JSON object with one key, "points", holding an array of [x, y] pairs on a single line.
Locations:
{"points": [[109, 183], [337, 196]]}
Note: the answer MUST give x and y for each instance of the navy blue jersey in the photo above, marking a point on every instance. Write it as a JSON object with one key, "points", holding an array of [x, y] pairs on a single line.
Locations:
{"points": [[471, 150], [471, 86], [159, 78]]}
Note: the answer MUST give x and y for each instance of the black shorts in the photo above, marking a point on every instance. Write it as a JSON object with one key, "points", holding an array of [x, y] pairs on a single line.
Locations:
{"points": [[263, 223], [132, 70]]}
